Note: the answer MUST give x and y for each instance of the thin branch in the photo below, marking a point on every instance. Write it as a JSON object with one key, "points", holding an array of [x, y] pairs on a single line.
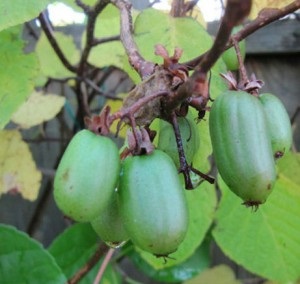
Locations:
{"points": [[104, 265], [101, 250], [97, 41], [265, 17], [242, 68], [84, 100], [92, 14], [99, 91], [49, 34], [177, 8], [143, 67], [197, 84], [180, 8], [184, 167], [86, 8], [235, 13], [130, 111]]}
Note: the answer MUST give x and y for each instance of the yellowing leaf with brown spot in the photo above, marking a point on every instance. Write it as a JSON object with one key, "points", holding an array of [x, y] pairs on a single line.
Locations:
{"points": [[258, 5], [37, 109], [18, 172]]}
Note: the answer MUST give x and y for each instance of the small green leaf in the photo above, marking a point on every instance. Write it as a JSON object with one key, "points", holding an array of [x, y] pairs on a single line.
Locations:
{"points": [[199, 261], [51, 65], [74, 247], [24, 260], [221, 274], [201, 204], [266, 242], [17, 73], [17, 12]]}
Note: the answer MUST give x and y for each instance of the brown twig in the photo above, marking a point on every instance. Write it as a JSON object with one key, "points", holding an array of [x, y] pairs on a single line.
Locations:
{"points": [[99, 91], [104, 265], [86, 8], [177, 8], [129, 112], [242, 68], [97, 41], [184, 167], [84, 98], [197, 84], [235, 13], [49, 34], [92, 14], [180, 8], [143, 67], [264, 18], [101, 250]]}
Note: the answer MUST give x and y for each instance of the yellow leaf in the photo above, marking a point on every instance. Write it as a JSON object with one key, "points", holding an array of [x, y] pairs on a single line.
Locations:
{"points": [[258, 5], [115, 106], [18, 172], [221, 274], [37, 109]]}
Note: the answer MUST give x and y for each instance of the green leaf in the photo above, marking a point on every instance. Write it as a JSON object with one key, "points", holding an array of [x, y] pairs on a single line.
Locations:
{"points": [[152, 27], [74, 247], [289, 166], [24, 260], [17, 12], [155, 27], [191, 267], [221, 274], [266, 242], [201, 204], [17, 73], [51, 65]]}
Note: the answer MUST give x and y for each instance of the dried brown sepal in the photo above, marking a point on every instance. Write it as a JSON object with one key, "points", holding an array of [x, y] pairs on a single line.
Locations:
{"points": [[139, 142], [252, 86], [99, 124], [253, 204]]}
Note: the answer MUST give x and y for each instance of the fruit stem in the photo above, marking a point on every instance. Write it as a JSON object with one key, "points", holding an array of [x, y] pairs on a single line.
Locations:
{"points": [[184, 167], [89, 265], [242, 69], [104, 265]]}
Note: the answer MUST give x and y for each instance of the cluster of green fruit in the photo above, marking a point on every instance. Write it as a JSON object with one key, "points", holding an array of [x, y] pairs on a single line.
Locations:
{"points": [[248, 134], [140, 198]]}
